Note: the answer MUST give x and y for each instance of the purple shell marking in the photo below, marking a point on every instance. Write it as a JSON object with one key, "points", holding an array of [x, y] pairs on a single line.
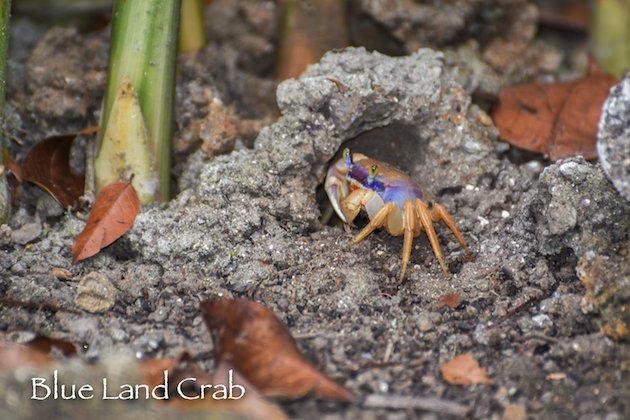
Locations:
{"points": [[389, 183]]}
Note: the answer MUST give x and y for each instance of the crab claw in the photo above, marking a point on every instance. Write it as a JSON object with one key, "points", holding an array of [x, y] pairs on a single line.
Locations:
{"points": [[335, 191], [336, 185]]}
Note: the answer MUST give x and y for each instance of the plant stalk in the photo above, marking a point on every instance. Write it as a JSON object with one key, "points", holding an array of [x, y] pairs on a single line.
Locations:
{"points": [[191, 32], [143, 53], [610, 35]]}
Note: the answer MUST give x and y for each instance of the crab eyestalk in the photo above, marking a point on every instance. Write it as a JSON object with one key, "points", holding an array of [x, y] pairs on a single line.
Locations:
{"points": [[141, 80]]}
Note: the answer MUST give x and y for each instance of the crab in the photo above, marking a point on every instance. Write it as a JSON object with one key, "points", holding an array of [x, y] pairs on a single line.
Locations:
{"points": [[391, 199]]}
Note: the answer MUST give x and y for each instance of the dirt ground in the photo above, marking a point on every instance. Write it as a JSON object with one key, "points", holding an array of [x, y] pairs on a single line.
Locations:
{"points": [[544, 300]]}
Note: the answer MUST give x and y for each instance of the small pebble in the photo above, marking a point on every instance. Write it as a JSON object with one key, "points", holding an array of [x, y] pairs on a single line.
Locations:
{"points": [[95, 293], [27, 233]]}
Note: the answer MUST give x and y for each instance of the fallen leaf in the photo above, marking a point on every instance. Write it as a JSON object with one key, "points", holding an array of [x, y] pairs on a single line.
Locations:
{"points": [[47, 165], [451, 300], [252, 339], [253, 405], [11, 165], [464, 370], [572, 16], [250, 405], [113, 214], [558, 119], [45, 345], [62, 273], [14, 356]]}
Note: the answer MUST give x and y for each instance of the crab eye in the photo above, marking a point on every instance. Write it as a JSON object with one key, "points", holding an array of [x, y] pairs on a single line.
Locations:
{"points": [[346, 153], [373, 171], [347, 156]]}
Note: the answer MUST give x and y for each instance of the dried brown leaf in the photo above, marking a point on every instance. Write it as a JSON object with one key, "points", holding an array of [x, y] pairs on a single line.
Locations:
{"points": [[47, 165], [251, 405], [17, 355], [62, 273], [464, 370], [45, 345], [12, 166], [450, 300], [252, 339], [558, 119], [113, 214]]}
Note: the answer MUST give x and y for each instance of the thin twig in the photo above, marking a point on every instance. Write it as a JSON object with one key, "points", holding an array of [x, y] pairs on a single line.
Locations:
{"points": [[401, 402], [537, 336], [516, 310]]}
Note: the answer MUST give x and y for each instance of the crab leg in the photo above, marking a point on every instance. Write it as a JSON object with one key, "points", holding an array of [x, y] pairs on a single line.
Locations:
{"points": [[376, 222], [424, 216], [438, 212], [409, 223]]}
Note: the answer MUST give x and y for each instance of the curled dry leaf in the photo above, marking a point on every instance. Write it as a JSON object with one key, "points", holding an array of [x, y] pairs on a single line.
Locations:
{"points": [[250, 337], [558, 119], [450, 300], [113, 214], [47, 165], [464, 370]]}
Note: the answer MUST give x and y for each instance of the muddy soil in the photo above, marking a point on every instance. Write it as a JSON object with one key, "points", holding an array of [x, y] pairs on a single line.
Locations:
{"points": [[544, 301]]}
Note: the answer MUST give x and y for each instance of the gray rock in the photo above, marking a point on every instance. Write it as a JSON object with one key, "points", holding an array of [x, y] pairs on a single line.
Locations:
{"points": [[613, 137], [27, 233], [577, 208]]}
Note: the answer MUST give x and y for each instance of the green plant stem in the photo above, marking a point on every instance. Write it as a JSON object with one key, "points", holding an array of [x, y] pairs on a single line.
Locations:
{"points": [[610, 35], [191, 31], [144, 46]]}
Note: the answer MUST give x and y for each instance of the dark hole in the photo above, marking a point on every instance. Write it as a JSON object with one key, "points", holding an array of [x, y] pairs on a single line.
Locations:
{"points": [[398, 144], [541, 349]]}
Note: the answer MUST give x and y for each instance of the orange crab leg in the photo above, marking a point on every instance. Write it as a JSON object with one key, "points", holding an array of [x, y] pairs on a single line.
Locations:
{"points": [[409, 223], [438, 212], [425, 220], [378, 221]]}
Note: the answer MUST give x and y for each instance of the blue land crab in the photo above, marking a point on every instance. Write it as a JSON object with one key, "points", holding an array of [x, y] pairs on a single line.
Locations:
{"points": [[391, 199]]}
